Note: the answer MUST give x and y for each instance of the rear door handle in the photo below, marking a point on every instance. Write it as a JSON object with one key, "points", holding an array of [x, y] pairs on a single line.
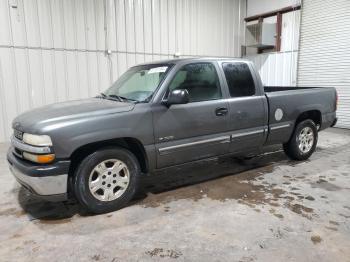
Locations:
{"points": [[221, 111]]}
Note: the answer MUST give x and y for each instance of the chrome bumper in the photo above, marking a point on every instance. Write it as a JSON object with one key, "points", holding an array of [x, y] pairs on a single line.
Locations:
{"points": [[44, 186], [49, 182]]}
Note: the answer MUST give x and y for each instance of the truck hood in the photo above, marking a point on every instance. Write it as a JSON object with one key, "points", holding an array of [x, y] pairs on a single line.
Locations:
{"points": [[39, 118]]}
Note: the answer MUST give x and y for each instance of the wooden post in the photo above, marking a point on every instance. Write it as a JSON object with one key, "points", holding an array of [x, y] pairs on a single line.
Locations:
{"points": [[278, 32]]}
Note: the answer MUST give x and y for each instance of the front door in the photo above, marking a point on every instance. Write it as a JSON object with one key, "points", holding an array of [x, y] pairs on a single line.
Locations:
{"points": [[196, 130]]}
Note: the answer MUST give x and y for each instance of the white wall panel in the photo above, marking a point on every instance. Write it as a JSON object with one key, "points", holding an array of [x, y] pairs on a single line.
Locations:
{"points": [[9, 88], [69, 24], [24, 81], [36, 77], [45, 25], [100, 24], [290, 31], [110, 23], [120, 24], [172, 26], [80, 21], [31, 24], [324, 50], [139, 35], [5, 21], [55, 50], [3, 111], [130, 25], [147, 26], [277, 69], [17, 23], [57, 21]]}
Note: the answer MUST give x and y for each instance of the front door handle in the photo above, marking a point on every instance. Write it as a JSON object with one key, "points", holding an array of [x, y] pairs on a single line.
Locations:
{"points": [[221, 111]]}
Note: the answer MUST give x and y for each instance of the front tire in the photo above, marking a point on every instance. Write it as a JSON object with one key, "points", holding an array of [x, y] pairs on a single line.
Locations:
{"points": [[106, 180], [303, 142]]}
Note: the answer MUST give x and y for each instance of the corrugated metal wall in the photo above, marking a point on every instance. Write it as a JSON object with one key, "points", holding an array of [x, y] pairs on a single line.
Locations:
{"points": [[280, 68], [277, 69], [55, 50], [325, 50]]}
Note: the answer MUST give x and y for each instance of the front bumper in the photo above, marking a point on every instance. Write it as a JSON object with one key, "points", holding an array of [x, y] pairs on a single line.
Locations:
{"points": [[50, 182]]}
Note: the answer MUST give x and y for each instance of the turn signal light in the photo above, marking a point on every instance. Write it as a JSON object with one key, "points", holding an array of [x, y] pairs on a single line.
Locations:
{"points": [[41, 159]]}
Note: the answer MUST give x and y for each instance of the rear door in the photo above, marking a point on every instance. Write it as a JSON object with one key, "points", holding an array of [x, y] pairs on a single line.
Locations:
{"points": [[196, 130], [248, 116]]}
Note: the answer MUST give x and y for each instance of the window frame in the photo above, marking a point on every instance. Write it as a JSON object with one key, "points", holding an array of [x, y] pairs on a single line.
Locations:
{"points": [[218, 74]]}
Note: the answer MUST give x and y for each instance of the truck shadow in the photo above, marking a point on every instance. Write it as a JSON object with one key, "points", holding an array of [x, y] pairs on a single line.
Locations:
{"points": [[163, 181]]}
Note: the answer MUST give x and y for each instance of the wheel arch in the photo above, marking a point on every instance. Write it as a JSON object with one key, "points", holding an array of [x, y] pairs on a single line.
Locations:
{"points": [[314, 115], [134, 145]]}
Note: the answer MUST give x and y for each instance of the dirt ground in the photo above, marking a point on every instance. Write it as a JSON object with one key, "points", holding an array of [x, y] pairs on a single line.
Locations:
{"points": [[265, 209]]}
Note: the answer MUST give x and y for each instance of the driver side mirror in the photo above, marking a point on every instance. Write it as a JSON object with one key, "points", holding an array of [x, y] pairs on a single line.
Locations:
{"points": [[176, 97]]}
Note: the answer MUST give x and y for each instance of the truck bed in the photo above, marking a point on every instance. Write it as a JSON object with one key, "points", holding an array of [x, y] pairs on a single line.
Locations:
{"points": [[287, 103]]}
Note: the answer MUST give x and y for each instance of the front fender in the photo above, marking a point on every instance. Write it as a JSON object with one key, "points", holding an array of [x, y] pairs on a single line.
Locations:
{"points": [[135, 124]]}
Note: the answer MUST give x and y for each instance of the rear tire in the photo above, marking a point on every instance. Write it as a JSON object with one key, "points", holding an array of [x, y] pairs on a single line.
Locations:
{"points": [[303, 142], [106, 180]]}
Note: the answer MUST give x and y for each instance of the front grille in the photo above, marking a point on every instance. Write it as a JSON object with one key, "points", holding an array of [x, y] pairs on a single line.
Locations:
{"points": [[18, 134]]}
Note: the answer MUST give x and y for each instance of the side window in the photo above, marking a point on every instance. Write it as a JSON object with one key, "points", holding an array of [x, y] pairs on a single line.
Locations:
{"points": [[201, 81], [239, 79]]}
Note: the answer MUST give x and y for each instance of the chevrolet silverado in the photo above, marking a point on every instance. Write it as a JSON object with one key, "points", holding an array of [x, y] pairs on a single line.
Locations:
{"points": [[160, 115]]}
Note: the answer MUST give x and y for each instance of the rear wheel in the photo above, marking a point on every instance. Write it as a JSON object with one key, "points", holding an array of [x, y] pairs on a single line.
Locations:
{"points": [[303, 142], [106, 180]]}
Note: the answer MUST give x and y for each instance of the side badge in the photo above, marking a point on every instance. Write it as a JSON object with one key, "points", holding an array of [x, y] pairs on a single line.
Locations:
{"points": [[278, 114], [166, 138]]}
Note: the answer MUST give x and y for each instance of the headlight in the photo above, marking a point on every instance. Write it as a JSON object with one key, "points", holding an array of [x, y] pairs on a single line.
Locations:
{"points": [[42, 159], [37, 140]]}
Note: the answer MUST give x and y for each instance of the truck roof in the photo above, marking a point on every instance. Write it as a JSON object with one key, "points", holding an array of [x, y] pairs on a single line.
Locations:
{"points": [[194, 59]]}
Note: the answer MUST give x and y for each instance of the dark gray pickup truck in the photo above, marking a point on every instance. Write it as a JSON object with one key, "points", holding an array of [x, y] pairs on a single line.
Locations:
{"points": [[158, 116]]}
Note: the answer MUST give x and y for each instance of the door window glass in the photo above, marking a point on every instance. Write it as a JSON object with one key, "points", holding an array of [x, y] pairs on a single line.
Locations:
{"points": [[200, 80]]}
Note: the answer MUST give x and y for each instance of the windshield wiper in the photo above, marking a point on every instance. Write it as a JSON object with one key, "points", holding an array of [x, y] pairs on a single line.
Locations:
{"points": [[129, 99], [102, 95], [110, 97], [120, 99], [123, 98], [117, 98]]}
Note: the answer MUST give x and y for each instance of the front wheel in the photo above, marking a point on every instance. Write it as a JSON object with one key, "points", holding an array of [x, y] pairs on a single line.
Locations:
{"points": [[106, 180], [303, 142]]}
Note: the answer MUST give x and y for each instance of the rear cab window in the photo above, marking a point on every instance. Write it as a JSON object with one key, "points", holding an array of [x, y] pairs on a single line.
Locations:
{"points": [[239, 79]]}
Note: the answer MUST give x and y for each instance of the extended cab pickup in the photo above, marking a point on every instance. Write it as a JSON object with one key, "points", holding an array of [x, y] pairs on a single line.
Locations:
{"points": [[160, 115]]}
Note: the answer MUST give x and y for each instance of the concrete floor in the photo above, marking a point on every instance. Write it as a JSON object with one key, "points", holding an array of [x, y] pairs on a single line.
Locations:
{"points": [[265, 209]]}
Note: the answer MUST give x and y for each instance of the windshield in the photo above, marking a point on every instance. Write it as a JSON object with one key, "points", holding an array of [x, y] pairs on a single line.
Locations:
{"points": [[138, 83]]}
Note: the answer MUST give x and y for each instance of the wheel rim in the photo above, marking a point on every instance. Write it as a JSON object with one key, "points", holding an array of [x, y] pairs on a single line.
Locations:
{"points": [[109, 180], [306, 140]]}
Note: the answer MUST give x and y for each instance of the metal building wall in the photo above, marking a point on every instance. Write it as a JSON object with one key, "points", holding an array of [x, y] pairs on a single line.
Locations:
{"points": [[280, 68], [277, 69], [325, 51], [55, 50]]}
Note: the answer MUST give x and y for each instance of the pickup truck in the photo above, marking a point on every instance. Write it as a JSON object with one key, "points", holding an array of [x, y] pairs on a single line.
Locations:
{"points": [[161, 115]]}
